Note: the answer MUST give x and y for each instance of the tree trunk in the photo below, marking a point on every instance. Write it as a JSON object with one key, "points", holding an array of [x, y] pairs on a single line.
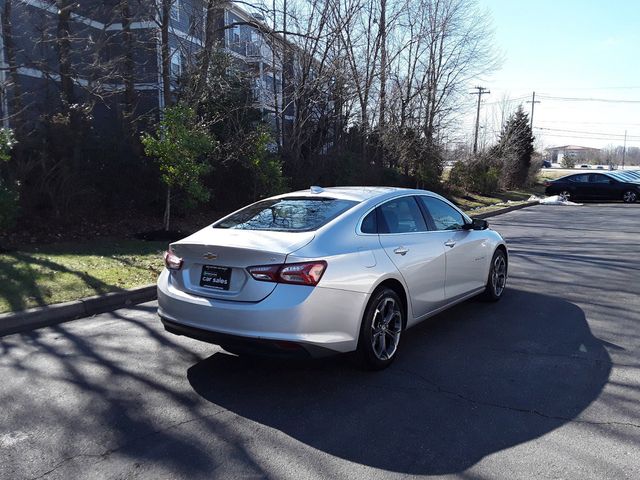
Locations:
{"points": [[64, 52], [383, 63], [209, 39], [129, 68], [165, 53], [167, 209], [10, 51], [276, 107]]}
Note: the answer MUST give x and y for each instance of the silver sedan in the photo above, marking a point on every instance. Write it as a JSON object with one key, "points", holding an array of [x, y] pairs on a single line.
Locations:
{"points": [[328, 270]]}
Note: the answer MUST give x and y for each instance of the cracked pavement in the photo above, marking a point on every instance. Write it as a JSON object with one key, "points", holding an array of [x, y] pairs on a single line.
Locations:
{"points": [[544, 384]]}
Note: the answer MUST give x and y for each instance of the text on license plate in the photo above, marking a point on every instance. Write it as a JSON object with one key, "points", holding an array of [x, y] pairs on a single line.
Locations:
{"points": [[215, 277]]}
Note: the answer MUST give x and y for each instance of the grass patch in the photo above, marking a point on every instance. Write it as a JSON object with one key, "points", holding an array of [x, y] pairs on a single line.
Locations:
{"points": [[42, 275], [477, 203], [547, 174]]}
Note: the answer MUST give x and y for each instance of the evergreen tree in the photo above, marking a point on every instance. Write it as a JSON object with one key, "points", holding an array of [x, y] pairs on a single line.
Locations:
{"points": [[514, 149]]}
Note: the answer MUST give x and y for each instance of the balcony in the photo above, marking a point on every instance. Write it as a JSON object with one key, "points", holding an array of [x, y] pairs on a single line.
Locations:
{"points": [[252, 51]]}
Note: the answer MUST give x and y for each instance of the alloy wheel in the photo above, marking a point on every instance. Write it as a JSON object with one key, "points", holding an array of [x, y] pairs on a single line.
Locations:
{"points": [[565, 195], [499, 275], [629, 197], [386, 328]]}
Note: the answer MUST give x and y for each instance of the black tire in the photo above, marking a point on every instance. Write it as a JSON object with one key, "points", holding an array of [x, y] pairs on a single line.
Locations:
{"points": [[497, 278], [630, 196], [374, 353]]}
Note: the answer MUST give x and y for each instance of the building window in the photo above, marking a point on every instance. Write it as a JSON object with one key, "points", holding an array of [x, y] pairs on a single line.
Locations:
{"points": [[176, 63], [175, 10], [235, 35]]}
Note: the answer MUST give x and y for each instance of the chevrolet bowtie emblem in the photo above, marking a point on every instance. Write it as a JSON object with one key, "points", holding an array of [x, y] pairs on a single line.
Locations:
{"points": [[210, 256]]}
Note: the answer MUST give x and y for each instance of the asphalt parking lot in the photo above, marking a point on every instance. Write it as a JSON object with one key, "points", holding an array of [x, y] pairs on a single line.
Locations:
{"points": [[544, 384]]}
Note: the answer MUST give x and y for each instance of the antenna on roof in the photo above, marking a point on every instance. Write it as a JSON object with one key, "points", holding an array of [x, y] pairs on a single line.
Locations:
{"points": [[316, 189]]}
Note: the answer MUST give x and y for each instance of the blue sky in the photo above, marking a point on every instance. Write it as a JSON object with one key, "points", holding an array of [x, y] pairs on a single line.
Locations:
{"points": [[569, 48]]}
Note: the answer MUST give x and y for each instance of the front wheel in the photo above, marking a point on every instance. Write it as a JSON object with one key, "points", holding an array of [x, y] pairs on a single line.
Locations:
{"points": [[497, 281], [381, 329], [629, 196]]}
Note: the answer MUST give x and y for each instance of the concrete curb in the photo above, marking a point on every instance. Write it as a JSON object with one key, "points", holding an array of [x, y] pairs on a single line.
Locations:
{"points": [[16, 322], [503, 210]]}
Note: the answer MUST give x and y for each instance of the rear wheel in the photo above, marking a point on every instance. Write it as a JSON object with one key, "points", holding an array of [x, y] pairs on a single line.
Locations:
{"points": [[565, 195], [497, 281], [629, 196], [381, 329]]}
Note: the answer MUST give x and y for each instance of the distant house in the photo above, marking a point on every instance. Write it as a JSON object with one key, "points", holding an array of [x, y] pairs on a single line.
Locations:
{"points": [[579, 153]]}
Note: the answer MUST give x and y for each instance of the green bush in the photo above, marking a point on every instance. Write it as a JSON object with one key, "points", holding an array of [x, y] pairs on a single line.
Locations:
{"points": [[568, 161], [9, 195], [9, 207], [180, 145], [265, 166], [479, 175]]}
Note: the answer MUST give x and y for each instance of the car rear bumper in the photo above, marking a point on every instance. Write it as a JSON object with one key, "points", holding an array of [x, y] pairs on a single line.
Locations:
{"points": [[320, 320]]}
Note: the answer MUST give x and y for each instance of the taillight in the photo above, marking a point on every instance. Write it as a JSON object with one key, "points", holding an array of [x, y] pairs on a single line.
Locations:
{"points": [[307, 273], [172, 261], [265, 273]]}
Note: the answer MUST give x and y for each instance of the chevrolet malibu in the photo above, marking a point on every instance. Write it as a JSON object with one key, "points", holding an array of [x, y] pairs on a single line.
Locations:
{"points": [[328, 270]]}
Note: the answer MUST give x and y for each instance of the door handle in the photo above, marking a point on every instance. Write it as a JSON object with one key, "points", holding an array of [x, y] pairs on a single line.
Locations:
{"points": [[450, 243], [401, 251]]}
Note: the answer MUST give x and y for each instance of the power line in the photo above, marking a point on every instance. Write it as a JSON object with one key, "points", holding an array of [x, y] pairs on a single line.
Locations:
{"points": [[586, 133], [506, 100], [584, 99], [581, 137], [589, 123]]}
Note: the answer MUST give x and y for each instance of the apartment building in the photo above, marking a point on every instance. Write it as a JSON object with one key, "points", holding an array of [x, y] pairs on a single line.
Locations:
{"points": [[32, 72]]}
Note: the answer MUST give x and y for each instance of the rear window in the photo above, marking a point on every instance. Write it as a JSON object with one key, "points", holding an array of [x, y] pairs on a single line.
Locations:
{"points": [[292, 214], [579, 178]]}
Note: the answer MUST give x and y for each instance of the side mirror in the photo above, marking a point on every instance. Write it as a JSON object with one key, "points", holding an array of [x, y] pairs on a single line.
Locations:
{"points": [[476, 224]]}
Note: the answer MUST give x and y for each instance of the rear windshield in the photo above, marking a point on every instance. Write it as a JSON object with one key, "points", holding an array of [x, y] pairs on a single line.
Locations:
{"points": [[292, 214]]}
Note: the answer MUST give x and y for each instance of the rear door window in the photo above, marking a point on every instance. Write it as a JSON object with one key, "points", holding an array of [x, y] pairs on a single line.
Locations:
{"points": [[579, 178], [290, 214], [401, 215]]}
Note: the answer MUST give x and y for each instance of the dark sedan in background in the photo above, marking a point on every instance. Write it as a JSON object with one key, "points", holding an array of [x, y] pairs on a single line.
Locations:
{"points": [[621, 185]]}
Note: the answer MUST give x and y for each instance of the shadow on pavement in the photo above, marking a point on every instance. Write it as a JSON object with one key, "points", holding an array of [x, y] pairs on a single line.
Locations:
{"points": [[470, 382]]}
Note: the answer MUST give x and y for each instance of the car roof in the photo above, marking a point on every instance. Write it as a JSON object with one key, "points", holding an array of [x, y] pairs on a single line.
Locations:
{"points": [[621, 176], [358, 194]]}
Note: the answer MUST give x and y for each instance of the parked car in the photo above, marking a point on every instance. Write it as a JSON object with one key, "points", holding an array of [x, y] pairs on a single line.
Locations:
{"points": [[584, 165], [546, 164], [328, 271], [596, 186]]}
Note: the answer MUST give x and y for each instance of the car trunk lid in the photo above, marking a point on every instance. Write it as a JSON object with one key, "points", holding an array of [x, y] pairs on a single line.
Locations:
{"points": [[215, 261]]}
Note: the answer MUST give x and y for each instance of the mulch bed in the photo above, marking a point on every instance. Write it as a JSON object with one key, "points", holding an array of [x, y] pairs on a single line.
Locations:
{"points": [[80, 229]]}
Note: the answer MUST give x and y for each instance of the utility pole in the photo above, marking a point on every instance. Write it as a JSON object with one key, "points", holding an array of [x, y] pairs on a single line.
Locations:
{"points": [[481, 91], [624, 149], [533, 104]]}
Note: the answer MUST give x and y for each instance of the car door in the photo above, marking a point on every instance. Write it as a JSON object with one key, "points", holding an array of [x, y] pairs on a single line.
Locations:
{"points": [[419, 256], [468, 253], [601, 187], [579, 186]]}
